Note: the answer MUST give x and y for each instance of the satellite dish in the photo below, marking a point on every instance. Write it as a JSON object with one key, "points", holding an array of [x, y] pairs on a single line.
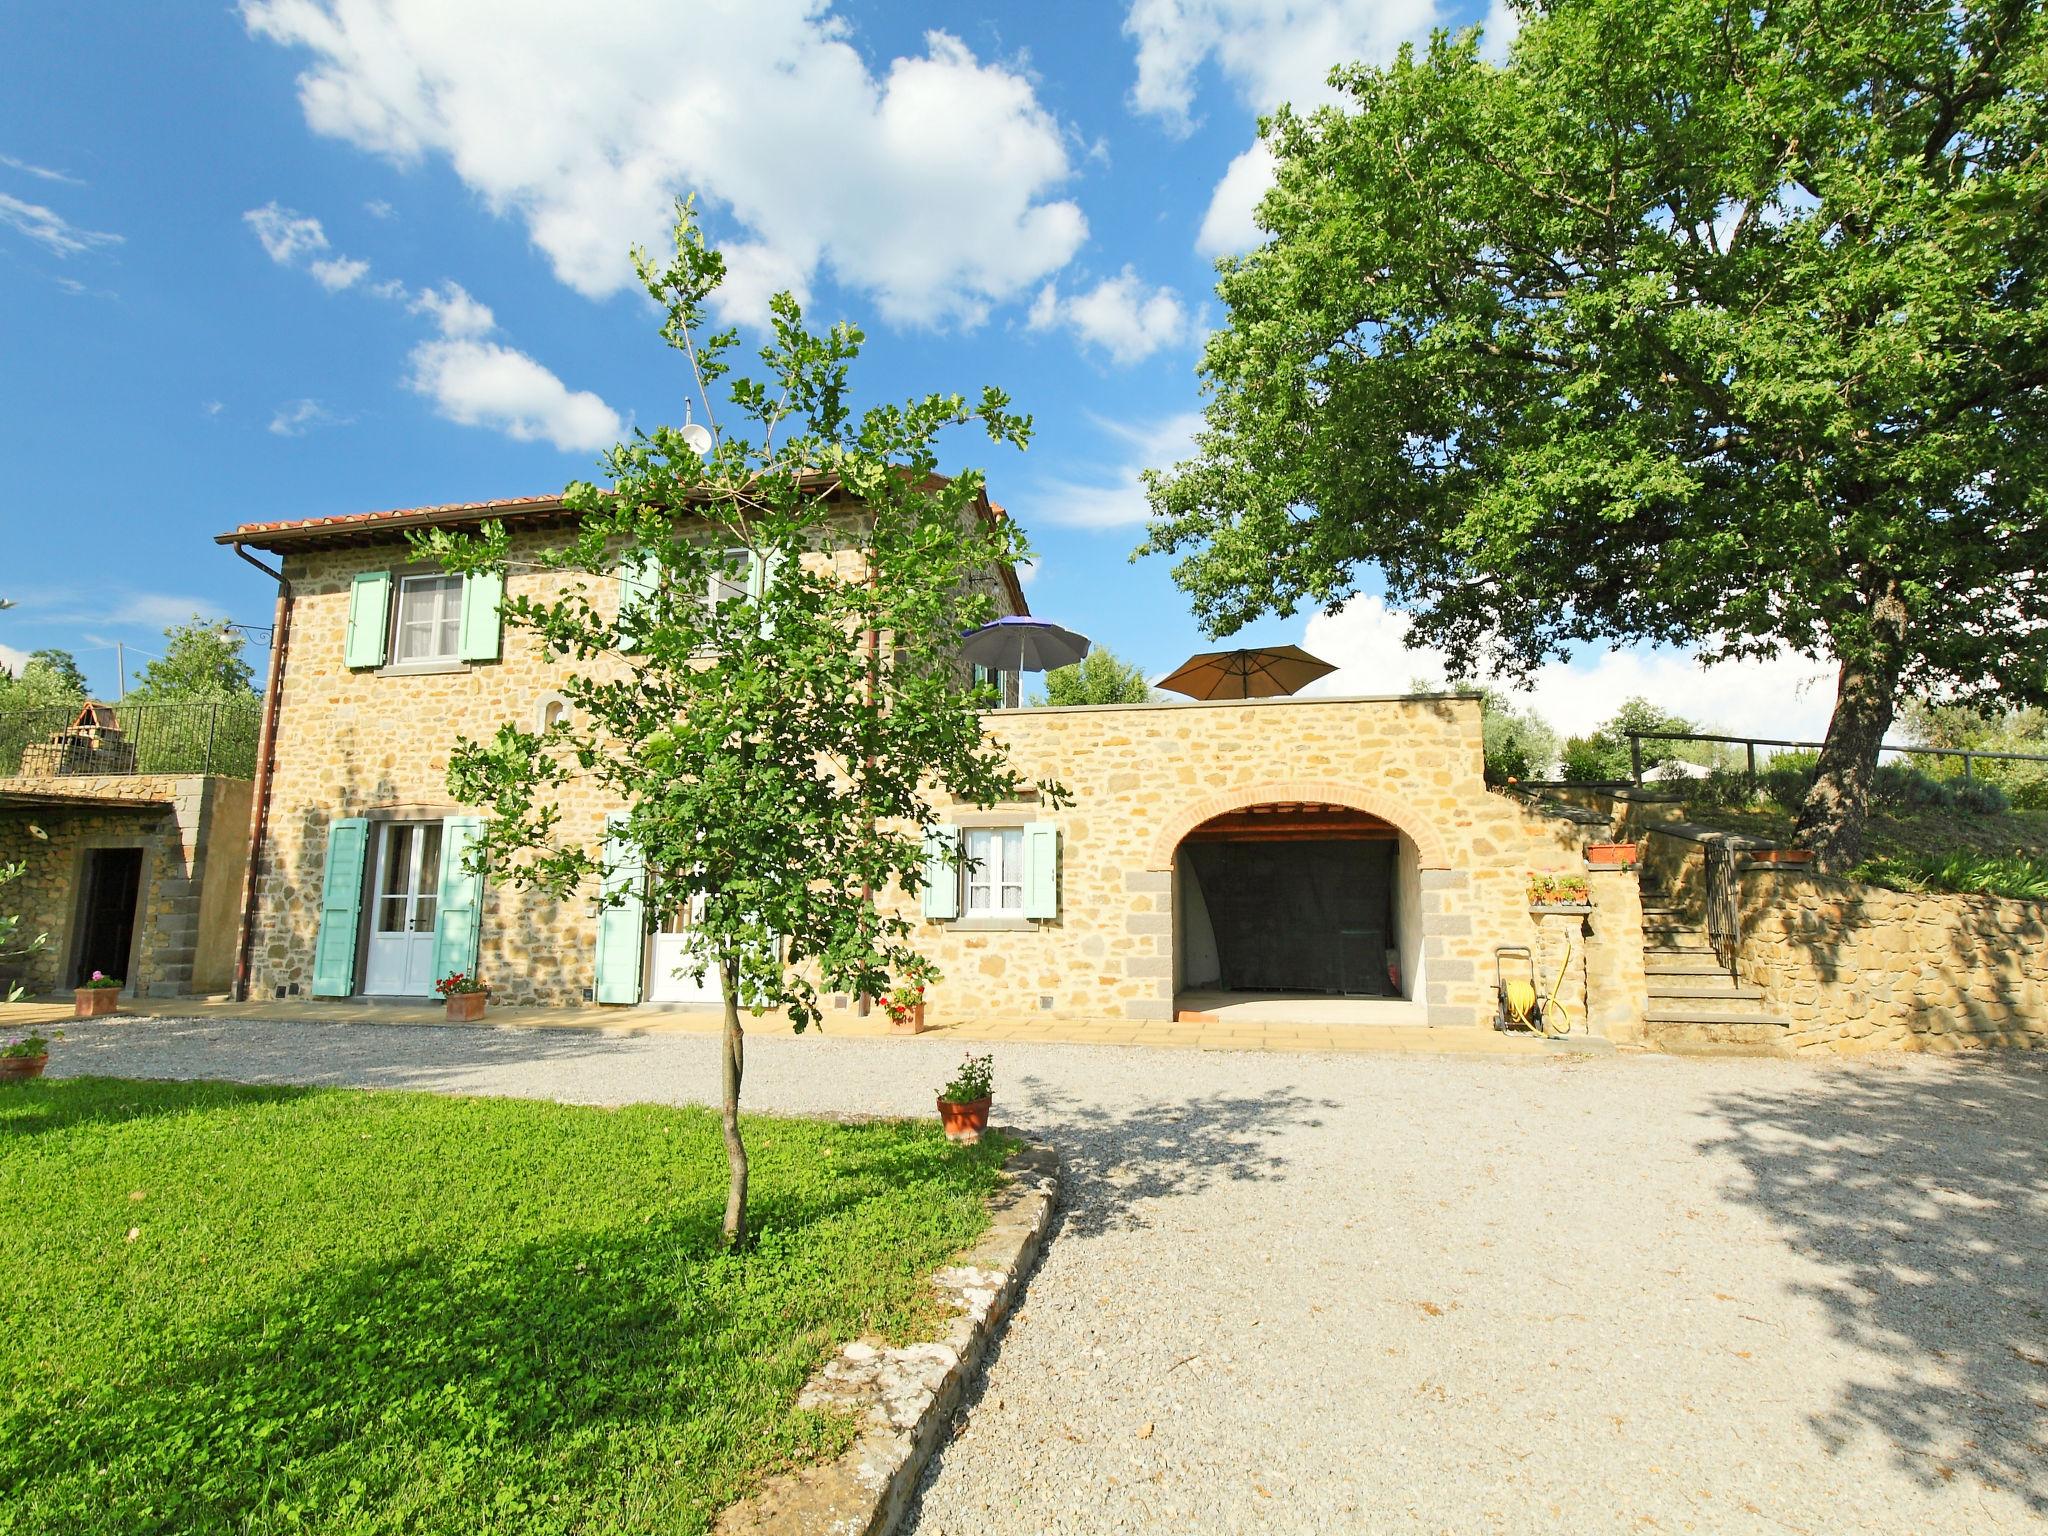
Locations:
{"points": [[699, 438]]}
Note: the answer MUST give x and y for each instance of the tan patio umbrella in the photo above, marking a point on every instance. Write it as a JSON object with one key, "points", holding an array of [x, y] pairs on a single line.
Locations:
{"points": [[1247, 674]]}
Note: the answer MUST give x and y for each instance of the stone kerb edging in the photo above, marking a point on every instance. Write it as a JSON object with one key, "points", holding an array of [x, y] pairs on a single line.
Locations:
{"points": [[906, 1397]]}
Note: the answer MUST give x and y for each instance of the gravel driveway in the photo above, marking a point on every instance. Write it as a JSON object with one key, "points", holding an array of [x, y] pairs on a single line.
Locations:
{"points": [[1315, 1293]]}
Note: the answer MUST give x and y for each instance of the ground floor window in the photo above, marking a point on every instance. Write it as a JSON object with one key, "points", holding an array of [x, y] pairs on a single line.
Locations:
{"points": [[993, 872]]}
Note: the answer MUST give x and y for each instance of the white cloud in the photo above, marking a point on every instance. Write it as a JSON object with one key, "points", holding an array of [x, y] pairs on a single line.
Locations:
{"points": [[1119, 314], [1027, 573], [455, 312], [213, 408], [1271, 51], [1231, 224], [377, 208], [295, 418], [1786, 696], [1503, 21], [286, 233], [482, 384], [50, 229], [754, 274], [338, 273], [931, 183], [1116, 497], [40, 172]]}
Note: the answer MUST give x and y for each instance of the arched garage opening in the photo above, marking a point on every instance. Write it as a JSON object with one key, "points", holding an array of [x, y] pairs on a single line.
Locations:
{"points": [[1296, 900]]}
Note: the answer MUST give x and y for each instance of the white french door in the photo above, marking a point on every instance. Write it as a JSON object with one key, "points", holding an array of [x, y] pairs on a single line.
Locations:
{"points": [[407, 890], [675, 949]]}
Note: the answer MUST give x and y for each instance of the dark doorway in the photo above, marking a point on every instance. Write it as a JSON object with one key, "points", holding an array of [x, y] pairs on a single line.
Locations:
{"points": [[113, 881], [1308, 915]]}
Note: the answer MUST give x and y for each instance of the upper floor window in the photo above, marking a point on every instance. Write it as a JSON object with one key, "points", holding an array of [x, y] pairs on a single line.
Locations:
{"points": [[429, 619], [731, 578], [993, 872]]}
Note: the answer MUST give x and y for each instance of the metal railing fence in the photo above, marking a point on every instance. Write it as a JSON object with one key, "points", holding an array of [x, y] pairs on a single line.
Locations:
{"points": [[205, 736], [1969, 755]]}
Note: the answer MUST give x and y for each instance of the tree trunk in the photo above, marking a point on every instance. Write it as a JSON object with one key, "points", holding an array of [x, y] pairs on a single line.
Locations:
{"points": [[733, 1065], [1831, 820]]}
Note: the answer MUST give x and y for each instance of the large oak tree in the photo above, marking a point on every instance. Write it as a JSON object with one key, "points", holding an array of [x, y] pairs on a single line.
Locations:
{"points": [[1694, 323]]}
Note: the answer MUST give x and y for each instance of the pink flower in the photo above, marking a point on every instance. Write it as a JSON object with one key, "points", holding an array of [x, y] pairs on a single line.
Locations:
{"points": [[99, 975]]}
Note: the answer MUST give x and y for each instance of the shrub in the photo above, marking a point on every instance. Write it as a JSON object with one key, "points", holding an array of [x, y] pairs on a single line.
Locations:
{"points": [[1979, 798], [2015, 875]]}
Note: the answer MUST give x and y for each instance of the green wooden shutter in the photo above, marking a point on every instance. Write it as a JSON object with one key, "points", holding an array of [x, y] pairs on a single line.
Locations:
{"points": [[341, 905], [621, 929], [482, 595], [369, 614], [458, 915], [1041, 870], [637, 580], [941, 872]]}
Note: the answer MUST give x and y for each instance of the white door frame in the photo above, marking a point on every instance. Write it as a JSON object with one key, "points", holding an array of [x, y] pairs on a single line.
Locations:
{"points": [[399, 960], [667, 946]]}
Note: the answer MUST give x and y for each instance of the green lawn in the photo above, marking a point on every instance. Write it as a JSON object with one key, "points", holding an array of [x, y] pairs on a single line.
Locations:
{"points": [[260, 1310]]}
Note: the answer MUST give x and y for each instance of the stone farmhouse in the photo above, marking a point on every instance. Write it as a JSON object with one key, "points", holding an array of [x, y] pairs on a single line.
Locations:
{"points": [[1332, 849]]}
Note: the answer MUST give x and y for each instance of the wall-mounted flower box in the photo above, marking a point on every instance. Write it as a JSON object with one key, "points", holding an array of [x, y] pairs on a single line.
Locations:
{"points": [[1614, 855], [1787, 856]]}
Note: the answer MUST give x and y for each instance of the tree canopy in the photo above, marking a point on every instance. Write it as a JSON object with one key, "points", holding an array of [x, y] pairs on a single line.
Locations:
{"points": [[1100, 677], [1695, 324], [779, 768], [49, 679], [203, 661]]}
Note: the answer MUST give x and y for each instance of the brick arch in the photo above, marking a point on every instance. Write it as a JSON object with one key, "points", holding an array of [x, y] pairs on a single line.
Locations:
{"points": [[1431, 850]]}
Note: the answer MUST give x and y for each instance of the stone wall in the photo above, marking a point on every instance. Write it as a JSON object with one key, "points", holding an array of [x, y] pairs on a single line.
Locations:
{"points": [[1856, 967], [193, 831]]}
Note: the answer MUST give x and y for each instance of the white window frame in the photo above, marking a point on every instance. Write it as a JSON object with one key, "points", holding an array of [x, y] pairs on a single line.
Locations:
{"points": [[991, 874], [721, 585], [446, 623]]}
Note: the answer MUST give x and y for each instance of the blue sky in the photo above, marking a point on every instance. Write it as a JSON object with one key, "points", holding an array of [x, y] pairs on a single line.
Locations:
{"points": [[302, 257]]}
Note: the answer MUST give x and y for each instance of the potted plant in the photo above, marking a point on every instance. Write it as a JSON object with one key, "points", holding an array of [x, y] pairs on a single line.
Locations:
{"points": [[26, 1055], [963, 1103], [466, 997], [1558, 891], [1614, 855], [100, 995], [905, 1007]]}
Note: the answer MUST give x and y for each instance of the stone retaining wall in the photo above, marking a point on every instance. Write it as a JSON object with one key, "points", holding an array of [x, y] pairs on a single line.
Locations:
{"points": [[1857, 968]]}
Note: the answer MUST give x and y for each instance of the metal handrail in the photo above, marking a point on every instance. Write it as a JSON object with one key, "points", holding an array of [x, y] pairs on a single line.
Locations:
{"points": [[1968, 754]]}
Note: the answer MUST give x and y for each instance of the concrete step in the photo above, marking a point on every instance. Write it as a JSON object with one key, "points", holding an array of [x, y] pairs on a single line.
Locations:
{"points": [[1669, 1011], [1671, 962], [1723, 986]]}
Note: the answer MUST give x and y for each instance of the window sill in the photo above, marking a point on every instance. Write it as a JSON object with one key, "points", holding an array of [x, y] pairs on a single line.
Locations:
{"points": [[993, 925], [422, 668]]}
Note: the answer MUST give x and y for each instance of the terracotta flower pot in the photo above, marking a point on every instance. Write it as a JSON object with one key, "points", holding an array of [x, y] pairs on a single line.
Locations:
{"points": [[93, 1002], [964, 1123], [22, 1066], [911, 1023], [466, 1007], [1613, 855]]}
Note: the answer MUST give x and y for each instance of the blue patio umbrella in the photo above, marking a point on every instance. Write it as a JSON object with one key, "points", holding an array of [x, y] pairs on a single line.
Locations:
{"points": [[1017, 643]]}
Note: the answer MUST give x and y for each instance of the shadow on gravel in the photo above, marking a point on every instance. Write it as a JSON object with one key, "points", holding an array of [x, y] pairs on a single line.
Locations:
{"points": [[1924, 1195], [1115, 1159]]}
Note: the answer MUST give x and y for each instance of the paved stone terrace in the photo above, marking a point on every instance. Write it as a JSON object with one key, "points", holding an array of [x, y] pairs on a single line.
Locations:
{"points": [[1307, 1293]]}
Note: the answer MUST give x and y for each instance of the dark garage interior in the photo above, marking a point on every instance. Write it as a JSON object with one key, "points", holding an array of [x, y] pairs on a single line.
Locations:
{"points": [[1291, 899]]}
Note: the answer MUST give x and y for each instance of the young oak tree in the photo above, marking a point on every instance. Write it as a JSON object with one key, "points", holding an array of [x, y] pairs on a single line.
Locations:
{"points": [[1695, 323], [774, 722]]}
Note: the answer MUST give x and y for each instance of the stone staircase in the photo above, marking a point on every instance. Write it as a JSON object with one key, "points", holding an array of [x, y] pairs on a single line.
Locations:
{"points": [[1695, 1006]]}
